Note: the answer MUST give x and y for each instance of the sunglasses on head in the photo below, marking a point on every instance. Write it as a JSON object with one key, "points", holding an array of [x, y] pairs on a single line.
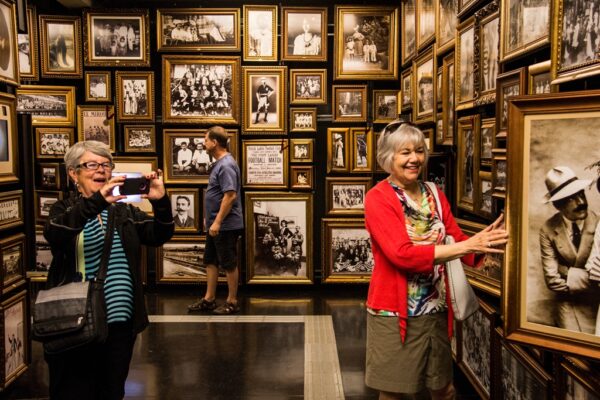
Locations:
{"points": [[394, 125]]}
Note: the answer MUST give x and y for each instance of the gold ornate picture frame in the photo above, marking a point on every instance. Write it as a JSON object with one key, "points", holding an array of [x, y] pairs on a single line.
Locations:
{"points": [[28, 48], [302, 177], [304, 33], [260, 33], [98, 86], [135, 96], [97, 123], [264, 105], [9, 141], [385, 106], [308, 86], [9, 68], [524, 27], [302, 150], [139, 138], [349, 103], [53, 142], [362, 149], [60, 46], [48, 105], [338, 150], [303, 119], [265, 164]]}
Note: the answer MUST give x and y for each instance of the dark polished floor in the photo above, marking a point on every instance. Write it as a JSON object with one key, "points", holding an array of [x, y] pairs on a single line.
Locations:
{"points": [[249, 357]]}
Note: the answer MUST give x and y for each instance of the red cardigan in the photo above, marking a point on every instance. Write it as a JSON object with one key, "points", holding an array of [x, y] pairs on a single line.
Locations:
{"points": [[395, 255]]}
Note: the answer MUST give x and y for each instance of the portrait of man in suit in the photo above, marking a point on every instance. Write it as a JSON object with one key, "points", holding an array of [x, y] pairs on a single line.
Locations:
{"points": [[182, 217]]}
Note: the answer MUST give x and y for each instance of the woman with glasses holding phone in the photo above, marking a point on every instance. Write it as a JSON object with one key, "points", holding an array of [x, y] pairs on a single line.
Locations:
{"points": [[77, 229], [409, 320]]}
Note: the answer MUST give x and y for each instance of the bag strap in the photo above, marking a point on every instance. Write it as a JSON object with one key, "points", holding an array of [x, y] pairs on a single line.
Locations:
{"points": [[438, 203], [108, 239]]}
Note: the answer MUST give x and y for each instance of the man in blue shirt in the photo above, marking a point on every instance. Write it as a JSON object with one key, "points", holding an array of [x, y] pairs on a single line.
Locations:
{"points": [[223, 209]]}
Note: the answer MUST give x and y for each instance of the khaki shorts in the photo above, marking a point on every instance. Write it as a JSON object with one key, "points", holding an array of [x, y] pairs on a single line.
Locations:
{"points": [[424, 360]]}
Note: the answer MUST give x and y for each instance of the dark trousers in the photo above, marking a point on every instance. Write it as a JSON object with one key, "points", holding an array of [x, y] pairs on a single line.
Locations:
{"points": [[95, 371]]}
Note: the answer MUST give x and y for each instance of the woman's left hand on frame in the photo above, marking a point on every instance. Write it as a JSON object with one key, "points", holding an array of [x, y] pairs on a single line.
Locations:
{"points": [[157, 186]]}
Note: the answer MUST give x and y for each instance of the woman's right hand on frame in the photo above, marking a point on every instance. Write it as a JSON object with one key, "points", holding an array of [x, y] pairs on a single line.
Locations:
{"points": [[492, 239]]}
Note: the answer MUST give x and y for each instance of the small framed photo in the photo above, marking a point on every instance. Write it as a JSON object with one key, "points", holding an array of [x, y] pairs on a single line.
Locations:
{"points": [[9, 68], [385, 106], [53, 142], [467, 162], [9, 141], [362, 149], [429, 136], [304, 33], [303, 119], [265, 108], [260, 33], [44, 200], [302, 150], [11, 204], [465, 64], [48, 105], [198, 29], [539, 79], [408, 33], [407, 89], [439, 81], [337, 150], [265, 164], [487, 22], [14, 330], [97, 123], [308, 86], [49, 176], [185, 159], [509, 84], [484, 197], [499, 173], [135, 96], [446, 25], [140, 138], [181, 260], [125, 165], [349, 103], [60, 45], [425, 23], [43, 253], [302, 178], [439, 129], [185, 204], [28, 48], [12, 250], [448, 99], [117, 38], [346, 196], [347, 255], [525, 27], [98, 86], [487, 138], [425, 71]]}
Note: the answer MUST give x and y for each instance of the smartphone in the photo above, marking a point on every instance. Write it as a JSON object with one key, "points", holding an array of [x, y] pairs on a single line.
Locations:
{"points": [[138, 185]]}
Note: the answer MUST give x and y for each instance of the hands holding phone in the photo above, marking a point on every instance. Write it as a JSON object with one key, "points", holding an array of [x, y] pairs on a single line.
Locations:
{"points": [[148, 186]]}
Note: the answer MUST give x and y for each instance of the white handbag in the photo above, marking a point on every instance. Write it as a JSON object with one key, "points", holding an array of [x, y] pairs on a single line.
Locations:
{"points": [[463, 297]]}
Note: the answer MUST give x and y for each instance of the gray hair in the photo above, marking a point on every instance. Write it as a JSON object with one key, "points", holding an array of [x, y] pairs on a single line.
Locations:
{"points": [[77, 151], [395, 135]]}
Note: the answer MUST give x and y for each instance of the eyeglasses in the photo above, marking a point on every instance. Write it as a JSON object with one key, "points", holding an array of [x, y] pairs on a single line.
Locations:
{"points": [[93, 166]]}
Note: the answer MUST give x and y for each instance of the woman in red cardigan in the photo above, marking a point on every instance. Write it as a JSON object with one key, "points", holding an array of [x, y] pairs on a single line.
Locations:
{"points": [[409, 314]]}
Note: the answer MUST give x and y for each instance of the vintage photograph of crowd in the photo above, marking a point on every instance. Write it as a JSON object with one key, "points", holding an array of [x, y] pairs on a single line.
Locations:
{"points": [[46, 105], [351, 250], [140, 138], [116, 37], [52, 142], [477, 349], [348, 197], [93, 123], [307, 88]]}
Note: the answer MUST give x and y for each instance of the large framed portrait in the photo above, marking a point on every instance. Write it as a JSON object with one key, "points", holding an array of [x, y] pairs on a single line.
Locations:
{"points": [[9, 142], [201, 89], [181, 260], [12, 251], [407, 94], [198, 29], [349, 103], [439, 170], [409, 30], [425, 23], [135, 96], [553, 301], [425, 73], [337, 150], [44, 200], [346, 196], [465, 64], [304, 33], [185, 159], [366, 39], [139, 138], [49, 176], [185, 205], [448, 99], [385, 106], [576, 379], [60, 46], [9, 66], [15, 345], [279, 237], [28, 48], [98, 86], [539, 78], [467, 171], [446, 25], [308, 86], [97, 123], [487, 44], [302, 150], [525, 25], [125, 165], [11, 206], [117, 38], [43, 254], [265, 164], [48, 105], [53, 142], [499, 173], [265, 98], [347, 254], [260, 33], [362, 149], [509, 84], [303, 119], [302, 177]]}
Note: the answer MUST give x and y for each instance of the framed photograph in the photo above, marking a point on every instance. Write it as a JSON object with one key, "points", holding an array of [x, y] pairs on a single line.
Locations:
{"points": [[97, 123], [9, 142], [28, 49], [12, 250], [185, 159], [486, 137], [385, 106], [260, 33], [135, 96], [212, 98], [546, 279], [347, 255], [181, 260], [43, 254], [468, 163], [408, 32], [185, 204], [98, 86], [439, 86], [198, 29], [48, 105], [429, 136], [362, 149], [346, 196], [446, 25], [264, 100], [439, 170], [265, 164], [279, 237], [15, 345], [499, 173], [60, 46], [44, 200], [509, 84], [525, 25], [337, 150], [439, 129], [487, 23], [117, 38], [9, 66], [140, 138], [425, 23], [304, 33], [302, 177], [53, 142], [448, 99], [465, 63], [539, 79], [49, 176], [365, 42], [302, 150], [308, 86], [425, 73], [576, 379], [125, 165], [11, 204], [303, 119], [484, 197], [407, 89], [349, 103], [465, 6]]}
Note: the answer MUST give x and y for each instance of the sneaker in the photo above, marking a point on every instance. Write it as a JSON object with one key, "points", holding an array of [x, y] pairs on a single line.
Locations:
{"points": [[202, 305], [227, 308]]}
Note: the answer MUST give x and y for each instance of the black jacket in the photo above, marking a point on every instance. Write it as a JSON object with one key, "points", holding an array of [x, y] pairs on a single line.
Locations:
{"points": [[67, 219]]}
